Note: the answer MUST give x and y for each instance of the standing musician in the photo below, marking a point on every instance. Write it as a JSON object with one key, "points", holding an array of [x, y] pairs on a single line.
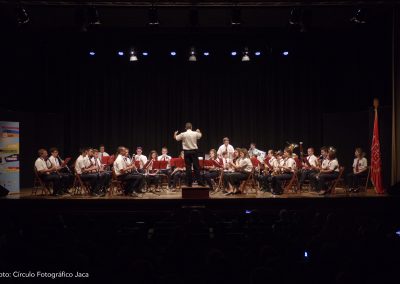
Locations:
{"points": [[225, 147], [286, 170], [309, 166], [189, 144], [212, 172], [48, 172], [153, 177], [242, 169], [360, 166], [126, 171], [141, 158], [177, 174], [102, 152], [254, 152], [88, 171], [270, 165], [329, 171], [65, 173], [104, 175]]}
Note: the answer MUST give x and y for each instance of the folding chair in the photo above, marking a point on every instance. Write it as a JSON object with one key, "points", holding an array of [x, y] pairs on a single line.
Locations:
{"points": [[115, 184], [79, 186], [335, 182], [250, 180], [38, 183], [292, 184]]}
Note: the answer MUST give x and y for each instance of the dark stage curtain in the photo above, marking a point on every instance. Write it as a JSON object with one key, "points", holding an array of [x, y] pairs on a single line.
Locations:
{"points": [[396, 98]]}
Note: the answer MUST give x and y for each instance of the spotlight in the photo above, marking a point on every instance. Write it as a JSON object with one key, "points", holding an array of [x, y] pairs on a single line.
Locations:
{"points": [[233, 53], [236, 18], [92, 53], [133, 55], [206, 53], [93, 16], [22, 16], [285, 53], [192, 54], [145, 53], [359, 17], [173, 53], [120, 53], [246, 56], [153, 16], [257, 53]]}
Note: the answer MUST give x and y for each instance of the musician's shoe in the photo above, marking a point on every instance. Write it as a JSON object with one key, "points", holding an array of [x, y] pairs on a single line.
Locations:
{"points": [[95, 194], [356, 190], [134, 194], [322, 192], [228, 193]]}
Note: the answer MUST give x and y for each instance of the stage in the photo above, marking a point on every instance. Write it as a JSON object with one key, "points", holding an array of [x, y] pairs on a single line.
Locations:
{"points": [[170, 201]]}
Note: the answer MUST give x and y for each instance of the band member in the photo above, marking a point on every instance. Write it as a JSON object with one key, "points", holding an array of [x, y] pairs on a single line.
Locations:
{"points": [[235, 155], [309, 166], [360, 166], [212, 172], [178, 174], [126, 171], [226, 147], [226, 161], [270, 165], [104, 175], [48, 172], [102, 152], [286, 171], [189, 145], [141, 158], [329, 171], [254, 152], [65, 173], [322, 162], [153, 177], [164, 157], [88, 171], [242, 169]]}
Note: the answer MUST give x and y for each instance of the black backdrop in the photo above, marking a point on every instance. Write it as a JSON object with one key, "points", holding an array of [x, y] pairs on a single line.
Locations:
{"points": [[270, 100]]}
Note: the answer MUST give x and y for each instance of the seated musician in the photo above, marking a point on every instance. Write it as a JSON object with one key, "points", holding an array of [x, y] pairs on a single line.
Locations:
{"points": [[142, 159], [212, 172], [126, 171], [265, 177], [67, 178], [88, 171], [104, 175], [48, 172], [153, 176], [309, 166], [286, 171], [242, 169], [225, 147], [254, 152], [102, 152], [360, 167], [165, 157], [329, 171], [322, 162], [178, 174]]}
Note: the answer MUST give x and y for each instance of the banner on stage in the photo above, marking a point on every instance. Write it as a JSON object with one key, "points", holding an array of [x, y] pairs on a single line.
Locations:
{"points": [[9, 155]]}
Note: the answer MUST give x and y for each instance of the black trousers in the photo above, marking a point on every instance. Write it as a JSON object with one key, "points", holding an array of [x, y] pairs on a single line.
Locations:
{"points": [[105, 179], [265, 181], [236, 178], [277, 182], [55, 179], [306, 174], [133, 181], [208, 176], [354, 180], [93, 179], [322, 179], [176, 178], [191, 159]]}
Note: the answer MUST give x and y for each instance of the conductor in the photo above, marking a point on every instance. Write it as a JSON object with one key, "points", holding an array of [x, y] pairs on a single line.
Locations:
{"points": [[189, 144]]}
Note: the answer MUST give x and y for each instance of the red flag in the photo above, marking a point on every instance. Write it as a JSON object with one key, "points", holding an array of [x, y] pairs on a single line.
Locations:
{"points": [[376, 165]]}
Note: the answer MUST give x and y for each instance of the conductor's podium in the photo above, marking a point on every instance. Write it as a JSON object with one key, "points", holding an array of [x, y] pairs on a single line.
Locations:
{"points": [[195, 192]]}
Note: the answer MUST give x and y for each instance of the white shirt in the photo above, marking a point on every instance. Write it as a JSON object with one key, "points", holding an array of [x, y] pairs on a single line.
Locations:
{"points": [[333, 165], [120, 163], [163, 158], [245, 164], [189, 139], [142, 159], [41, 164], [54, 161], [223, 148], [104, 154], [312, 160], [290, 163], [273, 162], [324, 164], [362, 164], [80, 164]]}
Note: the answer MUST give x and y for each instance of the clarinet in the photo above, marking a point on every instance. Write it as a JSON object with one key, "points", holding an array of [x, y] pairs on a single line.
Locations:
{"points": [[66, 165]]}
